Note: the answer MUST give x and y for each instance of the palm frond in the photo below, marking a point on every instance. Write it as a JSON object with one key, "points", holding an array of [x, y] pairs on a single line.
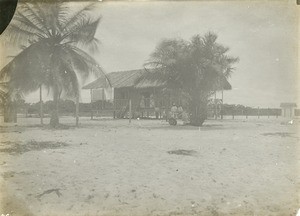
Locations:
{"points": [[91, 45], [63, 76], [210, 38], [232, 60], [72, 61], [28, 69], [67, 22], [49, 36], [35, 16], [55, 11], [82, 61], [83, 33], [71, 85], [18, 35], [154, 64], [228, 72], [52, 12], [30, 25], [45, 14]]}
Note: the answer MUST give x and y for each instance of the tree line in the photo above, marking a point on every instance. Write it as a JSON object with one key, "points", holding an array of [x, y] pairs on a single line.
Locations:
{"points": [[67, 107], [241, 110]]}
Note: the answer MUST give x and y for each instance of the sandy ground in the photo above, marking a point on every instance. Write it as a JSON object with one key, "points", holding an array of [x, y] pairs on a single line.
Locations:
{"points": [[111, 167]]}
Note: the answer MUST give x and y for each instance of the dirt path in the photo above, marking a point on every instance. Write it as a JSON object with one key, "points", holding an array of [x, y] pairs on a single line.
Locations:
{"points": [[149, 168]]}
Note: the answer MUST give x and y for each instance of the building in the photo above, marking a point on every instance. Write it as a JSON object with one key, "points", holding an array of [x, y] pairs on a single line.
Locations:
{"points": [[288, 110], [144, 88]]}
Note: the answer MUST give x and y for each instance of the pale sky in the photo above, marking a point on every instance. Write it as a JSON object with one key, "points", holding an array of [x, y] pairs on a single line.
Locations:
{"points": [[262, 34]]}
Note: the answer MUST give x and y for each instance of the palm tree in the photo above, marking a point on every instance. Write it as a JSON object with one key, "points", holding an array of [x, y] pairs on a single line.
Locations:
{"points": [[211, 65], [52, 37], [195, 68]]}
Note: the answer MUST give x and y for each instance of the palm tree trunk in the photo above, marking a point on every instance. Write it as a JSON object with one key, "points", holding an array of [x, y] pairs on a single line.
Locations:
{"points": [[198, 111], [15, 113], [198, 118], [77, 110], [222, 105], [54, 121], [41, 106], [9, 112]]}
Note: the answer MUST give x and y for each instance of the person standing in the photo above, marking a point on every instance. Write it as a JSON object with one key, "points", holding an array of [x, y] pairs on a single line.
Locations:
{"points": [[174, 111]]}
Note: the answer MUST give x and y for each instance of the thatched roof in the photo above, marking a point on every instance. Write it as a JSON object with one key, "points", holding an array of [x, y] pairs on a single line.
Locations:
{"points": [[140, 79]]}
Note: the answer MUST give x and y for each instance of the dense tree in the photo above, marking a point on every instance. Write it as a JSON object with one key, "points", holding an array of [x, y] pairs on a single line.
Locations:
{"points": [[194, 68], [52, 37]]}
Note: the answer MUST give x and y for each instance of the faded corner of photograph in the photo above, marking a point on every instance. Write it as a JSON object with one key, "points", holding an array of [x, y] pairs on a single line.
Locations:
{"points": [[150, 108]]}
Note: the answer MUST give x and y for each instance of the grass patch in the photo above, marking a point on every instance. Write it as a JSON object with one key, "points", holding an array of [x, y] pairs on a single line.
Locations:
{"points": [[183, 152], [19, 148], [281, 134]]}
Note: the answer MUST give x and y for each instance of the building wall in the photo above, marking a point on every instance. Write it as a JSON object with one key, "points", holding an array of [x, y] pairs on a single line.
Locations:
{"points": [[152, 98], [288, 112], [103, 94]]}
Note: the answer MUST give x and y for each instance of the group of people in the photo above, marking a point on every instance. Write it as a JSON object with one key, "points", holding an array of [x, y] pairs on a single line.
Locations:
{"points": [[177, 112]]}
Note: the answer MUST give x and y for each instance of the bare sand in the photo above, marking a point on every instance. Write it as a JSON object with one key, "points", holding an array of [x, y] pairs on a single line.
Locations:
{"points": [[113, 168]]}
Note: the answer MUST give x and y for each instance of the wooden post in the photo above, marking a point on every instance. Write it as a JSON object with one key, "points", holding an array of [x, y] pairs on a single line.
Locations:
{"points": [[222, 106], [77, 110], [114, 107], [103, 102], [15, 112], [268, 112], [91, 92], [41, 106], [26, 111], [130, 111], [258, 114], [216, 105]]}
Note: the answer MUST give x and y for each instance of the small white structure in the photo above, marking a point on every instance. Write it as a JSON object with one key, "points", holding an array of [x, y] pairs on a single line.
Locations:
{"points": [[288, 110]]}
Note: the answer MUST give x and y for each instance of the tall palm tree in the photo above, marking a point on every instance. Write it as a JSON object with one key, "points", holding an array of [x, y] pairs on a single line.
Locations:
{"points": [[52, 37], [195, 67], [211, 65]]}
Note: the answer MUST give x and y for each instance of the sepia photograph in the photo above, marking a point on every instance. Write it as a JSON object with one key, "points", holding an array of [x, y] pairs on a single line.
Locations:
{"points": [[149, 108]]}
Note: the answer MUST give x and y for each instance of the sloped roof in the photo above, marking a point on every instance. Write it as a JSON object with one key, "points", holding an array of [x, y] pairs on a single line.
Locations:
{"points": [[140, 78], [119, 79], [223, 84], [98, 83], [151, 79], [154, 78], [288, 105]]}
